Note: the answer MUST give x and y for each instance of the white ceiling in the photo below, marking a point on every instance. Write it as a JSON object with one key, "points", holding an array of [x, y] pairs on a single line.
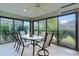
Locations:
{"points": [[32, 12]]}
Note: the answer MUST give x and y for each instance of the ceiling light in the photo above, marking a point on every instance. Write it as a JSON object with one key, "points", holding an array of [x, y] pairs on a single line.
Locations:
{"points": [[25, 10]]}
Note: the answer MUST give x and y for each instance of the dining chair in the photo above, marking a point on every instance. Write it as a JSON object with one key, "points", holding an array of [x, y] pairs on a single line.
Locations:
{"points": [[19, 42], [37, 42], [42, 34], [22, 33], [47, 41], [14, 37], [35, 33]]}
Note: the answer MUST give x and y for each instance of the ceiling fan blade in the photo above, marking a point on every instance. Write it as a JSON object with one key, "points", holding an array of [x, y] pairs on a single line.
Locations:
{"points": [[29, 8], [35, 6], [44, 10]]}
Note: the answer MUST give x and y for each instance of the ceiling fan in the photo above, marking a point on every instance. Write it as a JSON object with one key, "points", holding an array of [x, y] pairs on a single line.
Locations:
{"points": [[37, 6]]}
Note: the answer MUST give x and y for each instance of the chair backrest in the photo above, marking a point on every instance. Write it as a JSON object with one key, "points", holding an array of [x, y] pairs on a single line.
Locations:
{"points": [[42, 34], [35, 32], [48, 39], [22, 33], [18, 38], [14, 36]]}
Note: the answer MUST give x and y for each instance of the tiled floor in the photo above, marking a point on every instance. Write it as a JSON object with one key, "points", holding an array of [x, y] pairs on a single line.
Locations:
{"points": [[54, 50]]}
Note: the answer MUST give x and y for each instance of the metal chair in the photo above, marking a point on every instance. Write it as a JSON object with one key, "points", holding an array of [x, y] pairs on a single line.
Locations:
{"points": [[42, 34], [19, 42], [14, 37], [47, 41], [22, 33]]}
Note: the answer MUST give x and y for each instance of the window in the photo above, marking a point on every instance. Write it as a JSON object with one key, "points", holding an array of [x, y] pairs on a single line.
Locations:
{"points": [[26, 27], [52, 27], [6, 27], [36, 28], [67, 30], [18, 25], [42, 27]]}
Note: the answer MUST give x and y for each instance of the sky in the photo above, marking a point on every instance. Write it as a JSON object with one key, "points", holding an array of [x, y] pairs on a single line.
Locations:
{"points": [[66, 18]]}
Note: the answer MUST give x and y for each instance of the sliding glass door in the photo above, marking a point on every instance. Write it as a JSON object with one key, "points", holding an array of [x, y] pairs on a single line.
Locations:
{"points": [[67, 30]]}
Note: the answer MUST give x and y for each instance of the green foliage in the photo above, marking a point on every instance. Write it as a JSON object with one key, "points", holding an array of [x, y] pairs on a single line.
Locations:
{"points": [[19, 28], [52, 24], [25, 28], [65, 33], [42, 26], [36, 26], [4, 29]]}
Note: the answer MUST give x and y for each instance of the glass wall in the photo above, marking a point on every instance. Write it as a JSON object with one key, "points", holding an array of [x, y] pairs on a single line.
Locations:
{"points": [[6, 26], [36, 28], [17, 25], [26, 26], [67, 30], [52, 27], [63, 27], [42, 27]]}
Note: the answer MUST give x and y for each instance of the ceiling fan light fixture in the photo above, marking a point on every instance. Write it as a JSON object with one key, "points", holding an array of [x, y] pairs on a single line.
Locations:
{"points": [[25, 10]]}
